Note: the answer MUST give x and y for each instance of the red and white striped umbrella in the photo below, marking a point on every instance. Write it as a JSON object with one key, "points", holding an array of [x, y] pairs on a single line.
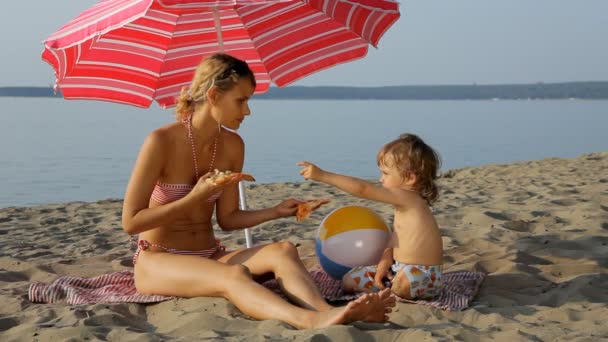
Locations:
{"points": [[137, 51]]}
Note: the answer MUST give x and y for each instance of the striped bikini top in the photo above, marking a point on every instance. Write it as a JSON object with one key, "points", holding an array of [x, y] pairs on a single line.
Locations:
{"points": [[166, 193]]}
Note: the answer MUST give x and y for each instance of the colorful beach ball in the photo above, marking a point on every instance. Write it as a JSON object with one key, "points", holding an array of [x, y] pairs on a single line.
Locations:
{"points": [[350, 236]]}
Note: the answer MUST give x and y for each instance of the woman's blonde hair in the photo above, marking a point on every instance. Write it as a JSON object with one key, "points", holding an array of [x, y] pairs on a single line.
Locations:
{"points": [[409, 154], [219, 70]]}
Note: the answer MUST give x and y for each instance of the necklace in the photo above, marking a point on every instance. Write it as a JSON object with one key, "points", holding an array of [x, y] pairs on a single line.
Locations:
{"points": [[191, 136]]}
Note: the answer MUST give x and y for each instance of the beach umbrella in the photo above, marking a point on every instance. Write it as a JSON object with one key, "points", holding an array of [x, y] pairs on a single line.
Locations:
{"points": [[139, 51]]}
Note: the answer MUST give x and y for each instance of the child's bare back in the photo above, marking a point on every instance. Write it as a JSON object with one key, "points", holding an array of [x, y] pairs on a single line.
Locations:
{"points": [[416, 237]]}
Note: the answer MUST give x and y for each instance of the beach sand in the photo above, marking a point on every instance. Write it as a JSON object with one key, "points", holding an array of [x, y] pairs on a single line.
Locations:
{"points": [[539, 229]]}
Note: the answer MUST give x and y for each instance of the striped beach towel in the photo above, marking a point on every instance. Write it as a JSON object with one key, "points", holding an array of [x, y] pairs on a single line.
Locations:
{"points": [[119, 287], [459, 288]]}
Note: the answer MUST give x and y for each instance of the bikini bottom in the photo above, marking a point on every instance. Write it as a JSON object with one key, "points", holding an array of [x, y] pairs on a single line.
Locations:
{"points": [[144, 245]]}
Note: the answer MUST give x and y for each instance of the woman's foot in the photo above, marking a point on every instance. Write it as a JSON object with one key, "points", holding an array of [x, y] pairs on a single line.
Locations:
{"points": [[369, 307], [389, 303]]}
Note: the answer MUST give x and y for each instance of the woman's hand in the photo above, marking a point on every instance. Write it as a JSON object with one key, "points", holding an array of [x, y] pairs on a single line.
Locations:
{"points": [[205, 187], [287, 207], [310, 170]]}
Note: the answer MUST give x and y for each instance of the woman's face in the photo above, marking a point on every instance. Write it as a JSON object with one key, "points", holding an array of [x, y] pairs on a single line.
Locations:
{"points": [[233, 105]]}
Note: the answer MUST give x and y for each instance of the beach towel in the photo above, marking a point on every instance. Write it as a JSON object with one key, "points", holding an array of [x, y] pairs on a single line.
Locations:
{"points": [[119, 287], [459, 289]]}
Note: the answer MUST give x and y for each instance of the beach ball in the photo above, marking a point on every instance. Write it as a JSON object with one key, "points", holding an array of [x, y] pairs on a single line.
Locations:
{"points": [[350, 236]]}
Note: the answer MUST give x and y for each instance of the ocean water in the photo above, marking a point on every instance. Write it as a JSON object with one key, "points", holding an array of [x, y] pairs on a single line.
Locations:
{"points": [[53, 150]]}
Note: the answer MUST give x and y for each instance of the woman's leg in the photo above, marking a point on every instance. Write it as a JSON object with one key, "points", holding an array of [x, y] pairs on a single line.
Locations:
{"points": [[192, 276], [282, 259]]}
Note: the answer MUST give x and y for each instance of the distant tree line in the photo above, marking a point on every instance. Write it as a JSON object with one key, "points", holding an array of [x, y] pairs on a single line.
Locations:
{"points": [[577, 90], [28, 92]]}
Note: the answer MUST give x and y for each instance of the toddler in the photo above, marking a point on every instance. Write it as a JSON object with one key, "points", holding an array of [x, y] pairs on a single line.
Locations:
{"points": [[412, 260]]}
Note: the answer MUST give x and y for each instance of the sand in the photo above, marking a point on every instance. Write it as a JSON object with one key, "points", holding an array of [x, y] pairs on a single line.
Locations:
{"points": [[539, 229]]}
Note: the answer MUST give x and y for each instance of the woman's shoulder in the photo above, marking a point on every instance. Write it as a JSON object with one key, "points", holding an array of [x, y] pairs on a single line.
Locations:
{"points": [[167, 132], [232, 149], [232, 138], [163, 136]]}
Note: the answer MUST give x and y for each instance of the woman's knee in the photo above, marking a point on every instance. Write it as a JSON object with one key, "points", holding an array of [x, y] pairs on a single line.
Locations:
{"points": [[285, 249], [235, 276], [238, 273]]}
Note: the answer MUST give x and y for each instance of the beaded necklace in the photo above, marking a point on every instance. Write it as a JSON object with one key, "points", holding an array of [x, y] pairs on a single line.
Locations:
{"points": [[191, 136]]}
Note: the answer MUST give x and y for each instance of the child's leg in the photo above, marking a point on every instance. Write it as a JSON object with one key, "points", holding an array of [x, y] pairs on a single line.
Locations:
{"points": [[360, 279], [416, 281], [401, 285]]}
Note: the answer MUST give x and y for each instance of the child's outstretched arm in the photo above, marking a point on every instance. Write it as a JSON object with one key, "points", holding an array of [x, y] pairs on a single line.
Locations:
{"points": [[355, 186], [346, 183]]}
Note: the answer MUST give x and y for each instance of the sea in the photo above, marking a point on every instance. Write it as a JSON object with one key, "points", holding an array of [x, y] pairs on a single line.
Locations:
{"points": [[53, 150]]}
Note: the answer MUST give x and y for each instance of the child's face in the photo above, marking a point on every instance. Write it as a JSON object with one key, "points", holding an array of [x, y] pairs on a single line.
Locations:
{"points": [[390, 177]]}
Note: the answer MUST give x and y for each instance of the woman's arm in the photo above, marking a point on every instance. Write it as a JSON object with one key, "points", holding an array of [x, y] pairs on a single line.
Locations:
{"points": [[136, 216], [229, 216], [240, 219], [232, 218]]}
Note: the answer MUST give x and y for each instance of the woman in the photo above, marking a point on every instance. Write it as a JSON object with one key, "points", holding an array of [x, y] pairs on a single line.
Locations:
{"points": [[169, 203]]}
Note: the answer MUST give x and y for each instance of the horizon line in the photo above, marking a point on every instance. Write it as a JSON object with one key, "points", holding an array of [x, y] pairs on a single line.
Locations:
{"points": [[376, 86]]}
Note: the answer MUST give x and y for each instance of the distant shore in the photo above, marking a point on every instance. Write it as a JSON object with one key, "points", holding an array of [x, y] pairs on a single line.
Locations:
{"points": [[536, 91]]}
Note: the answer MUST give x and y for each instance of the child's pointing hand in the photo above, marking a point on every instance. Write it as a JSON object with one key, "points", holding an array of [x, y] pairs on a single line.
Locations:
{"points": [[309, 170]]}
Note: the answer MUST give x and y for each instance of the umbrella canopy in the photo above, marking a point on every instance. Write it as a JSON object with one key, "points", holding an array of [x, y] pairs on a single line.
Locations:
{"points": [[138, 51]]}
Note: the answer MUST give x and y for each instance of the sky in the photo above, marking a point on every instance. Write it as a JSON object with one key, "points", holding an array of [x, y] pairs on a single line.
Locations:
{"points": [[434, 42]]}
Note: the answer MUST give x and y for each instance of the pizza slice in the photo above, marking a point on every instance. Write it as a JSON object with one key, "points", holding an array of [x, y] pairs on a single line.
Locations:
{"points": [[222, 177], [306, 208]]}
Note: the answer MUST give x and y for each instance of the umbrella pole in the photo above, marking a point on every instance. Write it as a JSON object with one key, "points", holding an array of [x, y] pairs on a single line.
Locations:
{"points": [[243, 206], [242, 198], [218, 28]]}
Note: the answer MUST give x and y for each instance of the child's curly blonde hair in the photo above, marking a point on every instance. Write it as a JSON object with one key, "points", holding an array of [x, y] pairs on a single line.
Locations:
{"points": [[409, 154]]}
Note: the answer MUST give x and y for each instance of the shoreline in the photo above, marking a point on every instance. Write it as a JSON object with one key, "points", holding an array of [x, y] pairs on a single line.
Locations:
{"points": [[539, 229], [250, 186]]}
